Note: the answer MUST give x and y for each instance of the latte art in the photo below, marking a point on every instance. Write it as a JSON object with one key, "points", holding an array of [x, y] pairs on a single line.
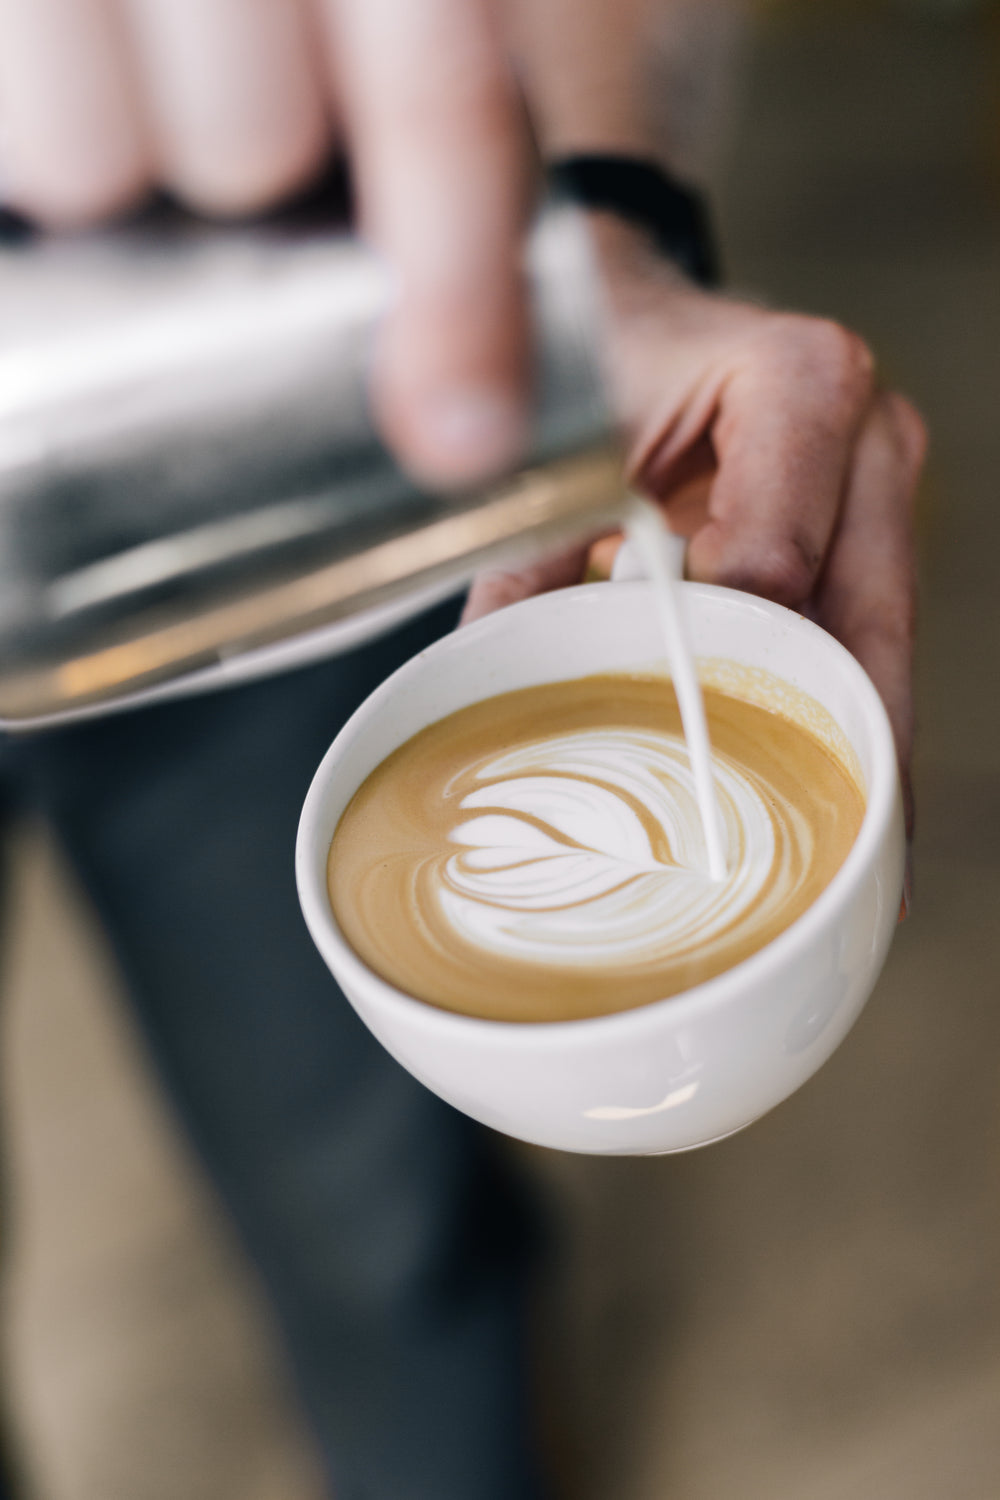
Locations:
{"points": [[540, 856], [592, 852]]}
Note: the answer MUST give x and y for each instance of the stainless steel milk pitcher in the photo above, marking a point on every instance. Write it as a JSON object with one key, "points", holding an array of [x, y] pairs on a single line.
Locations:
{"points": [[188, 465]]}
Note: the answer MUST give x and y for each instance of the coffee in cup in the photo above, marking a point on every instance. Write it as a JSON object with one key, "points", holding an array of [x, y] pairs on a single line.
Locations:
{"points": [[538, 856]]}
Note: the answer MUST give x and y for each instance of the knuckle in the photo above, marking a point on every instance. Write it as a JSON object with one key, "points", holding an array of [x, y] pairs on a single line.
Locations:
{"points": [[833, 358], [782, 569], [877, 615], [891, 622], [906, 428], [842, 351]]}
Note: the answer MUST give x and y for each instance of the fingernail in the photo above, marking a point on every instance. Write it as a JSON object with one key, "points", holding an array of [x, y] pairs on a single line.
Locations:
{"points": [[468, 433]]}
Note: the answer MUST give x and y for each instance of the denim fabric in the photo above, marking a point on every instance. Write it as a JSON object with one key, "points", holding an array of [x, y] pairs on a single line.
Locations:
{"points": [[387, 1233]]}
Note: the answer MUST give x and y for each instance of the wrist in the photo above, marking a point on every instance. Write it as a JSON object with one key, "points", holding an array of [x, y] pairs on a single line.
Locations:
{"points": [[655, 207], [625, 252]]}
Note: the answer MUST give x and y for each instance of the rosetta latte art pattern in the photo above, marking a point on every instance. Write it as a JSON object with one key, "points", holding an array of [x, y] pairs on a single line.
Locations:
{"points": [[538, 856], [588, 849]]}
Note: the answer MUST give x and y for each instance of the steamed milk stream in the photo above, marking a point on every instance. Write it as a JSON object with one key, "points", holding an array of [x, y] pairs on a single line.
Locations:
{"points": [[539, 856]]}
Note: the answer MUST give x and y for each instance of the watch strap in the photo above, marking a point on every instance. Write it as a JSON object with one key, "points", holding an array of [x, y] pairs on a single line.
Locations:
{"points": [[674, 215]]}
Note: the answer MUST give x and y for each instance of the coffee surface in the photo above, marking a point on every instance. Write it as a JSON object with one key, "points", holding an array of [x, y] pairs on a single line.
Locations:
{"points": [[539, 856]]}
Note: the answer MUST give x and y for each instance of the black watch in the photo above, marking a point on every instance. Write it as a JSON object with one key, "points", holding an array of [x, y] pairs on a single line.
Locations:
{"points": [[673, 215]]}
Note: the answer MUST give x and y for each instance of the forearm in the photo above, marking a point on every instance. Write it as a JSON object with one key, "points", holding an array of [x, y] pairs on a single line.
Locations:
{"points": [[581, 65], [643, 77]]}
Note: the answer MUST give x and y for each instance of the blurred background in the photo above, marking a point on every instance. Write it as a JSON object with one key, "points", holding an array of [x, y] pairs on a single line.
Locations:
{"points": [[809, 1309]]}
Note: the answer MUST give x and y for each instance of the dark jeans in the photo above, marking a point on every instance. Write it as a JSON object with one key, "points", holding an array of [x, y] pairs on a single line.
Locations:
{"points": [[386, 1231]]}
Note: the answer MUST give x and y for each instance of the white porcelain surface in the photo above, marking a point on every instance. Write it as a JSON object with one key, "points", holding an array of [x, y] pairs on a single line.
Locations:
{"points": [[687, 1070]]}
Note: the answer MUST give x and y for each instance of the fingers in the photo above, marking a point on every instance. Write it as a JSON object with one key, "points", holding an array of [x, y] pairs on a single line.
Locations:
{"points": [[868, 590], [788, 413], [231, 103], [235, 96], [74, 144], [221, 100], [438, 149], [495, 590]]}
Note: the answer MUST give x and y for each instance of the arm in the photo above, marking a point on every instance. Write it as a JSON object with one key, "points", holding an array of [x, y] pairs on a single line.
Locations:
{"points": [[763, 434]]}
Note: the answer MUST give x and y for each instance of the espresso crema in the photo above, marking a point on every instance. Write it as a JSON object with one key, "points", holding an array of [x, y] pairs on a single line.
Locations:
{"points": [[539, 856]]}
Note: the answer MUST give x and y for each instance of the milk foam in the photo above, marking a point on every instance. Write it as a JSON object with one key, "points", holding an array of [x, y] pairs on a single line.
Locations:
{"points": [[587, 849]]}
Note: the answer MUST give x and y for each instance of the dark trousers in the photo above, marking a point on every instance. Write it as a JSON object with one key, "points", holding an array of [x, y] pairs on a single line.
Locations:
{"points": [[388, 1235]]}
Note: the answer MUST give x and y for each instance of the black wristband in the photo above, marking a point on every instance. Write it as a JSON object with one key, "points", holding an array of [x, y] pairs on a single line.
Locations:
{"points": [[14, 227], [674, 216]]}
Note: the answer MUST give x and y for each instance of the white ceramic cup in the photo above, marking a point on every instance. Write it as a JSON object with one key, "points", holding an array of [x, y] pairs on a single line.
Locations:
{"points": [[680, 1072]]}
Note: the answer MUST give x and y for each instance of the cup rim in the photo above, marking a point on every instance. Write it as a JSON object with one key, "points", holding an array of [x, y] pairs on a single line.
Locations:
{"points": [[882, 795]]}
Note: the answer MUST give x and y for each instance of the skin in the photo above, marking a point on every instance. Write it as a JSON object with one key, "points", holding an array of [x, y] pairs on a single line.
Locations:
{"points": [[771, 447], [764, 434], [234, 104]]}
